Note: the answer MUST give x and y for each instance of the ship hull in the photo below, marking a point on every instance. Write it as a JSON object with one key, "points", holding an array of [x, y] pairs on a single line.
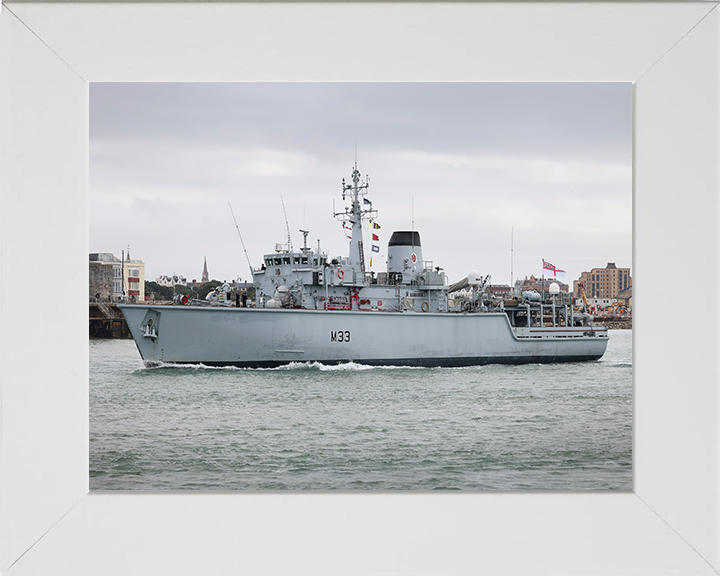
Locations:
{"points": [[261, 338]]}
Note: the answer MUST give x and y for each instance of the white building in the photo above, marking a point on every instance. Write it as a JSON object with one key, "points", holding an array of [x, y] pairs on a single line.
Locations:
{"points": [[601, 303], [135, 280], [459, 296], [171, 281]]}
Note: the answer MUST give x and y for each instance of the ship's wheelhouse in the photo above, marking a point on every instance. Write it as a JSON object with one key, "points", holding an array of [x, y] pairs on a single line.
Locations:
{"points": [[295, 259]]}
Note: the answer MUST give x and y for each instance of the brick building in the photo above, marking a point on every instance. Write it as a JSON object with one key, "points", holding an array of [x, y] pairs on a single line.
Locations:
{"points": [[500, 290], [605, 282], [539, 284]]}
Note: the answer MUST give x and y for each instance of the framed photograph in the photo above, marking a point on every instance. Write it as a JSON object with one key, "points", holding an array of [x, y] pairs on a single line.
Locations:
{"points": [[363, 359], [49, 521]]}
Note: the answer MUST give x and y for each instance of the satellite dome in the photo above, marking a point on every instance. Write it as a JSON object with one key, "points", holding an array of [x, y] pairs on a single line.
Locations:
{"points": [[474, 278], [554, 288]]}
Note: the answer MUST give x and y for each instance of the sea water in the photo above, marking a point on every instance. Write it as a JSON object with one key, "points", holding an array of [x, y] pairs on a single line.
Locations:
{"points": [[355, 427]]}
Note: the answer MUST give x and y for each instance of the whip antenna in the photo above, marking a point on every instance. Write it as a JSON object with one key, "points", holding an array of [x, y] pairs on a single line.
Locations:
{"points": [[241, 240], [287, 226]]}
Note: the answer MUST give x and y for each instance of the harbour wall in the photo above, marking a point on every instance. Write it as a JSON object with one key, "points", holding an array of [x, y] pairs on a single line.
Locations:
{"points": [[107, 321], [615, 324]]}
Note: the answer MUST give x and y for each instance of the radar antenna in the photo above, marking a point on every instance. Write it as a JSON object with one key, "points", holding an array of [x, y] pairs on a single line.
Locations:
{"points": [[305, 248]]}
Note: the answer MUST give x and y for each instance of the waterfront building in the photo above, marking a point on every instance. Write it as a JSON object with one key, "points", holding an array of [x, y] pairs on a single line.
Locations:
{"points": [[540, 284], [500, 290], [456, 298], [601, 303], [109, 260], [133, 276], [171, 281], [625, 297], [605, 282], [134, 279], [101, 282]]}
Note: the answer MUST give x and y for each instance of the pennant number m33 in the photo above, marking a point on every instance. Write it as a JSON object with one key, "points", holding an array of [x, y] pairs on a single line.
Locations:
{"points": [[340, 336]]}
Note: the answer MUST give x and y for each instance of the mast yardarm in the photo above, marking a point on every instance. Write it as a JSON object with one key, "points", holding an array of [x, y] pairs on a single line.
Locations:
{"points": [[355, 214]]}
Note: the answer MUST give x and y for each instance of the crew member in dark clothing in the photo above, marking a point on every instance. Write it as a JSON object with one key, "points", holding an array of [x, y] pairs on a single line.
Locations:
{"points": [[237, 299], [244, 298]]}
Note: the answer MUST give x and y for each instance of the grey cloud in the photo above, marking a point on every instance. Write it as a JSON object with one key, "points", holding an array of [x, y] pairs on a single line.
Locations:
{"points": [[552, 160]]}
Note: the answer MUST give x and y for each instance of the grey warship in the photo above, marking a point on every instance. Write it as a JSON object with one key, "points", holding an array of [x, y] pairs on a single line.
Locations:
{"points": [[314, 308]]}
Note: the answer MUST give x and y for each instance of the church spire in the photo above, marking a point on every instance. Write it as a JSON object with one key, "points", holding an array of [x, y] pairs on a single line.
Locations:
{"points": [[205, 272]]}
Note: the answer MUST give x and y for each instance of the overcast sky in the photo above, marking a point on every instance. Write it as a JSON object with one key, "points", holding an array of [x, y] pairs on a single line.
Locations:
{"points": [[546, 168]]}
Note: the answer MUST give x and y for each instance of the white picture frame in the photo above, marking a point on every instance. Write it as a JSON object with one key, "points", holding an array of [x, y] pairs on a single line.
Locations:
{"points": [[50, 523]]}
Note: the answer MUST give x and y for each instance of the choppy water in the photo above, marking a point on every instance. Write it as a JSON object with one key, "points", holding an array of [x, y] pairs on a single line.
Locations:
{"points": [[554, 427]]}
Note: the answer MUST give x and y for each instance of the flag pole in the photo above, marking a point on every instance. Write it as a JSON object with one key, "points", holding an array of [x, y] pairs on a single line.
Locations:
{"points": [[512, 288]]}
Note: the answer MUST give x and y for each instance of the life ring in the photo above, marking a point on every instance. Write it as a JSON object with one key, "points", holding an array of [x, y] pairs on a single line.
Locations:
{"points": [[425, 307], [277, 271], [341, 273]]}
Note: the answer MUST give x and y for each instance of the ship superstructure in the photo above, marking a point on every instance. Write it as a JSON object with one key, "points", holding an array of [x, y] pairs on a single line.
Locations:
{"points": [[314, 307], [312, 280]]}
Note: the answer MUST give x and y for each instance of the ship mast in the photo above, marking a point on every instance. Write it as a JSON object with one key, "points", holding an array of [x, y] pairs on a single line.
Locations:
{"points": [[355, 214]]}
